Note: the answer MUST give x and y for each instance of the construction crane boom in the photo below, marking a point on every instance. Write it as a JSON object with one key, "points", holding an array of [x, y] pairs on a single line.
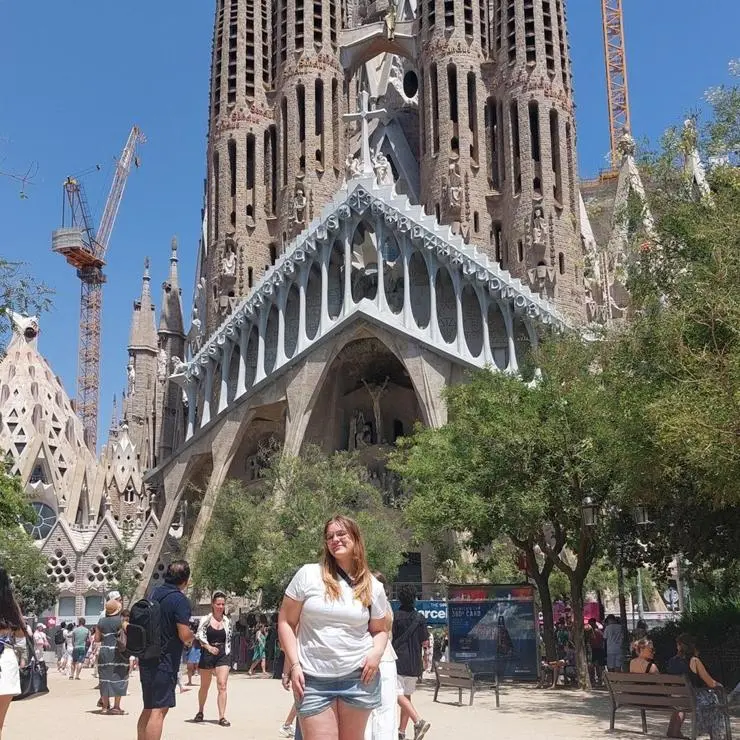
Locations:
{"points": [[616, 75], [85, 250]]}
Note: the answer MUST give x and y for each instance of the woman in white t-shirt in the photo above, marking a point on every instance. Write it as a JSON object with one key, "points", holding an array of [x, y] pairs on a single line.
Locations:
{"points": [[332, 628]]}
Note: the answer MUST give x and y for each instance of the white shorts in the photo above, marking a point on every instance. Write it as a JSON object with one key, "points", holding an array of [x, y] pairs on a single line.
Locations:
{"points": [[10, 678], [405, 685]]}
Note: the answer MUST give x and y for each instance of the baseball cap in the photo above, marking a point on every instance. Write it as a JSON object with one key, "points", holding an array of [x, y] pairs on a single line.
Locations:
{"points": [[114, 595]]}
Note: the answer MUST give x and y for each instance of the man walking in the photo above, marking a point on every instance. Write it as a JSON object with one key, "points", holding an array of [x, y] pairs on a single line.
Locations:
{"points": [[410, 635], [159, 674], [80, 640]]}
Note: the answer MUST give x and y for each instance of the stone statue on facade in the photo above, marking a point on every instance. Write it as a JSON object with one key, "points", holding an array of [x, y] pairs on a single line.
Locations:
{"points": [[352, 167], [454, 186], [382, 167], [131, 377], [376, 391], [299, 205], [195, 333], [539, 228], [228, 258], [390, 19]]}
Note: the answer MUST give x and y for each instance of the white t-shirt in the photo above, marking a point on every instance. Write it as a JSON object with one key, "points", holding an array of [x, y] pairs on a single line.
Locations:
{"points": [[333, 637]]}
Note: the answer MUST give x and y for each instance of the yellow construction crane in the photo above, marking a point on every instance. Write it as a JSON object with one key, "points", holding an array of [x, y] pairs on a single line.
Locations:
{"points": [[85, 249], [616, 75]]}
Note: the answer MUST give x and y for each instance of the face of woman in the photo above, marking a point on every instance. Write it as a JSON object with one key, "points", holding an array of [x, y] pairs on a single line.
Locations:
{"points": [[647, 652], [339, 541], [219, 606]]}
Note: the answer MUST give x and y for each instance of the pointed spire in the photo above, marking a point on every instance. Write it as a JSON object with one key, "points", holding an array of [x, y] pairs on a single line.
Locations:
{"points": [[143, 332], [170, 321]]}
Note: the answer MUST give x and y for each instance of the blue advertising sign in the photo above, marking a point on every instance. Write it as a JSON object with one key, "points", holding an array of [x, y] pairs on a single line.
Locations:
{"points": [[435, 612], [496, 635]]}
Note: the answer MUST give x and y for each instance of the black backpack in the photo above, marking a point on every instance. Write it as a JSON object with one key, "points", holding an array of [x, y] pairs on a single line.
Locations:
{"points": [[144, 631], [59, 637]]}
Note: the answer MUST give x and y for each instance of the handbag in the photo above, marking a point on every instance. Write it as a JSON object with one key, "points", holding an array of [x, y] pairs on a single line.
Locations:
{"points": [[33, 675]]}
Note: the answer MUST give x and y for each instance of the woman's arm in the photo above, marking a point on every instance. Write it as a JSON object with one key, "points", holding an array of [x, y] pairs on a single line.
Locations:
{"points": [[379, 632], [701, 671], [98, 635], [200, 635], [288, 619]]}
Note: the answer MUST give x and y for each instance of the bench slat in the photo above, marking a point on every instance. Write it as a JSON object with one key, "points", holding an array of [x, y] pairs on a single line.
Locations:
{"points": [[660, 679], [654, 689], [653, 701]]}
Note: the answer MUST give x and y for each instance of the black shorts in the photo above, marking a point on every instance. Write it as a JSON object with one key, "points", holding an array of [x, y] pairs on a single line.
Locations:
{"points": [[157, 686], [598, 656], [209, 662]]}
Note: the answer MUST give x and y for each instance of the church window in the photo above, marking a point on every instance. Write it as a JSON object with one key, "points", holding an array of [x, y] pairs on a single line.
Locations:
{"points": [[318, 31], [301, 111], [232, 168], [271, 168], [283, 30], [484, 44], [473, 117], [250, 277], [549, 48], [38, 474], [319, 122], [216, 198], [452, 101], [284, 122], [431, 14], [333, 23], [569, 153], [534, 140], [529, 34], [520, 250], [93, 605], [266, 57], [563, 38], [250, 50], [435, 107], [216, 89], [515, 147], [498, 246], [273, 254], [232, 69], [438, 213], [555, 153], [492, 131], [468, 17], [299, 19], [43, 520], [250, 161], [476, 222], [129, 494], [511, 30], [498, 10], [449, 13], [561, 263], [335, 120]]}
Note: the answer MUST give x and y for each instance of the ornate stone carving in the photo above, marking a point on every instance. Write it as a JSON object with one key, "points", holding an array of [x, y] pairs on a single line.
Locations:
{"points": [[453, 187], [161, 364], [382, 168], [376, 391], [352, 167], [299, 204], [131, 376]]}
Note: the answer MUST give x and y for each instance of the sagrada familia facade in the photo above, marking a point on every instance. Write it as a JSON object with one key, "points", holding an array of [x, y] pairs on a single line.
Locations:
{"points": [[391, 199]]}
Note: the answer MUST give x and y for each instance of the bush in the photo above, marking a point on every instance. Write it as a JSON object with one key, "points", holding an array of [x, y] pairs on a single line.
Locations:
{"points": [[715, 625]]}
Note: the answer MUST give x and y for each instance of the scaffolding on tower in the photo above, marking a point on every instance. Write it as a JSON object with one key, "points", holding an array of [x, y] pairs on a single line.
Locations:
{"points": [[85, 250], [616, 75]]}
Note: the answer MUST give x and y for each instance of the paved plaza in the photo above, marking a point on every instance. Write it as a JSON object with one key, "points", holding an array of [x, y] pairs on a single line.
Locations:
{"points": [[257, 707]]}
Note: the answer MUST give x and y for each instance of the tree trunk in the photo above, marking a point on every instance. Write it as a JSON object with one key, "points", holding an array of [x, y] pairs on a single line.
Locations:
{"points": [[541, 580], [576, 602]]}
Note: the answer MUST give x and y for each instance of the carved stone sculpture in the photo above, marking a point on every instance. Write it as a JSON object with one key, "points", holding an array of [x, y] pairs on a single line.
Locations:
{"points": [[382, 167], [376, 391], [454, 186], [299, 205], [131, 376]]}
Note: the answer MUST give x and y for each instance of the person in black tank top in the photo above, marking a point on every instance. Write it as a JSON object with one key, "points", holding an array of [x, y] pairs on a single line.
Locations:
{"points": [[214, 634], [687, 663]]}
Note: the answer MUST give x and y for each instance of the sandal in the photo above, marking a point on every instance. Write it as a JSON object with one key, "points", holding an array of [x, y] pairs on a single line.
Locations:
{"points": [[198, 717], [116, 710], [224, 722]]}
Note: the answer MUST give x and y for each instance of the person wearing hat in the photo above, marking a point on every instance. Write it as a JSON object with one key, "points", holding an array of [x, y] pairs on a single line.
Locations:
{"points": [[113, 666], [40, 641]]}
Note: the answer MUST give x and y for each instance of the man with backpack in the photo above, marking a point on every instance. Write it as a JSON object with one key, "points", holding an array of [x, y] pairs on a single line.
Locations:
{"points": [[158, 629], [410, 635]]}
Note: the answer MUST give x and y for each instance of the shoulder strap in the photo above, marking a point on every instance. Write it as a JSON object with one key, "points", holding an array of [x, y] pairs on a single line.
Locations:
{"points": [[408, 631], [649, 666]]}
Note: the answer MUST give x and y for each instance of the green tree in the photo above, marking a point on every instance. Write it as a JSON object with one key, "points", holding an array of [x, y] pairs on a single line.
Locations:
{"points": [[260, 535], [519, 459], [27, 567], [122, 574], [14, 506]]}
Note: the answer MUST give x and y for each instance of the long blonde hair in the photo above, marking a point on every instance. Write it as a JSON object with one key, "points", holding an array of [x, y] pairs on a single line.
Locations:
{"points": [[362, 580]]}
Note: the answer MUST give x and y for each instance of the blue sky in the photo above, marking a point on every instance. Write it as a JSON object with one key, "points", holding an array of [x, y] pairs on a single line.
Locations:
{"points": [[77, 75]]}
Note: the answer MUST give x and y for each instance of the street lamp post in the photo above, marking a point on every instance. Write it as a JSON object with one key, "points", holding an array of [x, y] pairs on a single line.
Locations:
{"points": [[590, 519]]}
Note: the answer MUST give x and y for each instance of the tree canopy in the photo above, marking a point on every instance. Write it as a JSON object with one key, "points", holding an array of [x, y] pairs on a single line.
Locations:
{"points": [[260, 534]]}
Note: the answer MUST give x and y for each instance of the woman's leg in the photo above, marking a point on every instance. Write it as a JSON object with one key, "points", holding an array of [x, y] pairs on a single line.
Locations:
{"points": [[190, 668], [408, 712], [674, 726], [206, 674], [251, 668], [264, 665], [4, 704], [222, 677], [352, 722], [323, 726]]}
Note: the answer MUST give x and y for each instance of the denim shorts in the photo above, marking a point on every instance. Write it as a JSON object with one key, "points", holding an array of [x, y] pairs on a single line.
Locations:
{"points": [[321, 692]]}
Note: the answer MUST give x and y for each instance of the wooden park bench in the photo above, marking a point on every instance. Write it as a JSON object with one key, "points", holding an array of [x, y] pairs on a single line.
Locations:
{"points": [[458, 676], [658, 691]]}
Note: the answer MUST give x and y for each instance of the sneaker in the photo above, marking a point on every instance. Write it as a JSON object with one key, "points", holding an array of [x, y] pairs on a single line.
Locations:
{"points": [[420, 729], [286, 731], [401, 736]]}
